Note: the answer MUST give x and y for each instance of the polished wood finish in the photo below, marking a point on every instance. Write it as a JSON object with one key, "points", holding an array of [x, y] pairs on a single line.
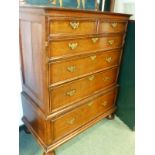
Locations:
{"points": [[83, 87], [70, 63], [59, 48], [82, 115], [112, 27], [72, 26], [73, 68]]}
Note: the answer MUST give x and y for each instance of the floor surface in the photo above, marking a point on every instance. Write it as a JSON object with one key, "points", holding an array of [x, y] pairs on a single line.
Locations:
{"points": [[107, 137]]}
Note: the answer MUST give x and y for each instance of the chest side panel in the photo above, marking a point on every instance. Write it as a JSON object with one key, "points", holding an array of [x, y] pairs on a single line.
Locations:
{"points": [[33, 63]]}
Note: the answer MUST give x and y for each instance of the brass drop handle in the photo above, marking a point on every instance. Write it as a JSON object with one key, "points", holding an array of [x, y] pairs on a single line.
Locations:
{"points": [[74, 25], [114, 24], [90, 104], [104, 103], [108, 59], [71, 92], [72, 46], [107, 78], [91, 78], [71, 69], [93, 57], [110, 42], [94, 40], [71, 121]]}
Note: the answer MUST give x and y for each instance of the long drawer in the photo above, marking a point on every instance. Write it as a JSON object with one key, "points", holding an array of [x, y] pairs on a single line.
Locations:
{"points": [[69, 47], [74, 119], [74, 91], [67, 69]]}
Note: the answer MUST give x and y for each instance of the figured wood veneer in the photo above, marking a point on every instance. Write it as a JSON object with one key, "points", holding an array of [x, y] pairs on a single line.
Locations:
{"points": [[70, 63]]}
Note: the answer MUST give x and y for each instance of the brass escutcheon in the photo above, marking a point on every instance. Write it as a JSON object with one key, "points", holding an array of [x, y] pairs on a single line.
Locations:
{"points": [[72, 46], [90, 104], [93, 57], [71, 68], [107, 78], [94, 40], [110, 42], [114, 24], [109, 59], [104, 103], [71, 92], [71, 121], [90, 78], [74, 25]]}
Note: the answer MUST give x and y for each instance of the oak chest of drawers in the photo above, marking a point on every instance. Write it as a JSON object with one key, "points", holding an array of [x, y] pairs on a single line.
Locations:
{"points": [[70, 62]]}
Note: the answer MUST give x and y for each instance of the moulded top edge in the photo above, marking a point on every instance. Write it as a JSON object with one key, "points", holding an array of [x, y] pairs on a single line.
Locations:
{"points": [[48, 8]]}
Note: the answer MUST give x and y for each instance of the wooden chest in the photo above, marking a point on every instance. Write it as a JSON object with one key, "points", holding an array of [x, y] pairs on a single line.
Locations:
{"points": [[70, 61]]}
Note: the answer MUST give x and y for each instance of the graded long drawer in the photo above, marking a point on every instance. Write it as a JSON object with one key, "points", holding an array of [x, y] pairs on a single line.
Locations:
{"points": [[68, 93], [68, 47], [74, 119], [67, 69]]}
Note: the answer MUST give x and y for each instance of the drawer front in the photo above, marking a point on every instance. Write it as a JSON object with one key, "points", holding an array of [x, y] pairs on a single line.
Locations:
{"points": [[72, 26], [112, 27], [73, 68], [66, 94], [83, 114], [76, 46]]}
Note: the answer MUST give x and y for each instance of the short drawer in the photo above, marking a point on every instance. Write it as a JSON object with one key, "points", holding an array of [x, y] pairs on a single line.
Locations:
{"points": [[112, 27], [72, 26], [68, 69], [74, 91], [85, 45], [76, 118]]}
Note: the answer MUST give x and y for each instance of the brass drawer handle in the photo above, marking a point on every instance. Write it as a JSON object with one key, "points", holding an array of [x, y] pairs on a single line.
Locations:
{"points": [[107, 78], [71, 121], [110, 42], [108, 59], [93, 57], [114, 24], [72, 46], [71, 92], [74, 25], [91, 78], [104, 103], [94, 40], [90, 104], [71, 68]]}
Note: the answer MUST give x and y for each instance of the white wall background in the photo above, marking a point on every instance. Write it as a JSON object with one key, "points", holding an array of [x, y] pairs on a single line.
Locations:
{"points": [[125, 6]]}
